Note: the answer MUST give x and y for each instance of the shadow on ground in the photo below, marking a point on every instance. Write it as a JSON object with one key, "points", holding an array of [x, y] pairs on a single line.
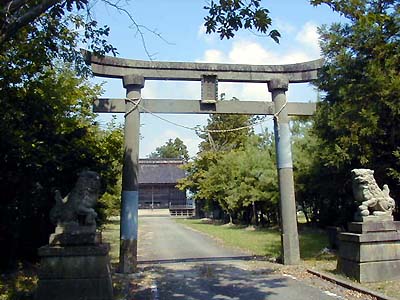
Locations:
{"points": [[204, 281], [197, 259]]}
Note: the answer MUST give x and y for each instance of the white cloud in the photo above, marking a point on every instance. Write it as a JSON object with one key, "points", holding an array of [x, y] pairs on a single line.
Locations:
{"points": [[247, 52], [245, 91], [308, 37], [284, 27], [192, 145], [295, 57], [202, 35], [213, 56], [202, 31]]}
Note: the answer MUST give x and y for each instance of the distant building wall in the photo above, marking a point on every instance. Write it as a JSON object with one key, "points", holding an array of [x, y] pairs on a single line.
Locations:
{"points": [[157, 181], [160, 195]]}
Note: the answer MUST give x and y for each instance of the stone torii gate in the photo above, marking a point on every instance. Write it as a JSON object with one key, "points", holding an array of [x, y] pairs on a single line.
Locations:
{"points": [[134, 73]]}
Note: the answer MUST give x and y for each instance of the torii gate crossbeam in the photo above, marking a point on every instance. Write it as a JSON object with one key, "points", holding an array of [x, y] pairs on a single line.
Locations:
{"points": [[134, 73]]}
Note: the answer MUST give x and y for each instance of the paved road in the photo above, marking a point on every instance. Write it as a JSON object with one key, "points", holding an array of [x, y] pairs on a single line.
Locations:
{"points": [[179, 263], [162, 239]]}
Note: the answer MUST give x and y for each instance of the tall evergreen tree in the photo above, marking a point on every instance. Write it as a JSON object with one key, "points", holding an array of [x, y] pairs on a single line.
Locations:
{"points": [[358, 119]]}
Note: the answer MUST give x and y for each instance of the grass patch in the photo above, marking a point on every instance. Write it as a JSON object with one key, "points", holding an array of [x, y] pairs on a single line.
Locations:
{"points": [[390, 288], [110, 234], [262, 242]]}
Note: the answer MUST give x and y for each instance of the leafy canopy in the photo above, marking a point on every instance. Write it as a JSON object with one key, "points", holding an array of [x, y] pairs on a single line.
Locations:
{"points": [[228, 16], [172, 149]]}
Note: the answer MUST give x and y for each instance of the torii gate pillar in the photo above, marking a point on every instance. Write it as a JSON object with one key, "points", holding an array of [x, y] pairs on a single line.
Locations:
{"points": [[130, 186], [289, 234]]}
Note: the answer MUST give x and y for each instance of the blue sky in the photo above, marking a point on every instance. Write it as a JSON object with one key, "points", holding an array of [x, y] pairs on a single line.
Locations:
{"points": [[179, 22]]}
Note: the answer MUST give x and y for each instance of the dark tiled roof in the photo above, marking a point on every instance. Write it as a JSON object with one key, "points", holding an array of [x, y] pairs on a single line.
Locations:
{"points": [[160, 171]]}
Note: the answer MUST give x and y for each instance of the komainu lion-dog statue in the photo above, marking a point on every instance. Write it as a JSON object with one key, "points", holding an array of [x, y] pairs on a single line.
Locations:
{"points": [[371, 199], [76, 209]]}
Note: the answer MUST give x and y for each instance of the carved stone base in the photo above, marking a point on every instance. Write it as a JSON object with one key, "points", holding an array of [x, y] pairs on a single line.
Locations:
{"points": [[74, 272], [72, 238], [373, 218], [371, 251]]}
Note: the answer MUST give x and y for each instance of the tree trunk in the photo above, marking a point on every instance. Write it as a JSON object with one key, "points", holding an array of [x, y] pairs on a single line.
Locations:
{"points": [[254, 219]]}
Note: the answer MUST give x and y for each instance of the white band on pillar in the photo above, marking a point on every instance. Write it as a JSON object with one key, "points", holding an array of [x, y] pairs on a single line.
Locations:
{"points": [[284, 149]]}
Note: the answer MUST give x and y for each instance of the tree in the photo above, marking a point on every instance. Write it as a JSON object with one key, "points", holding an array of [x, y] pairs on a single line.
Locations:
{"points": [[47, 129], [357, 121], [171, 149], [243, 179], [230, 171], [111, 141], [47, 132], [221, 134], [218, 138], [15, 15], [47, 135], [228, 16], [242, 182]]}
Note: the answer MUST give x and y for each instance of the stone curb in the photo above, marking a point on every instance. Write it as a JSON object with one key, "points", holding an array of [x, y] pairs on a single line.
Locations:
{"points": [[350, 285]]}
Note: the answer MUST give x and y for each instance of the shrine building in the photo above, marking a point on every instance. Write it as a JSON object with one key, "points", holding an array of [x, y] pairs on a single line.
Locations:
{"points": [[157, 183]]}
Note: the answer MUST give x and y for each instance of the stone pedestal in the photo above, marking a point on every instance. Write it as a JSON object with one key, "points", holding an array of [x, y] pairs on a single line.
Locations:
{"points": [[370, 251], [74, 267]]}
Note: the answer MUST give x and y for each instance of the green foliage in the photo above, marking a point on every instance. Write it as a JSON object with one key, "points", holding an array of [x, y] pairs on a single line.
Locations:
{"points": [[20, 284], [226, 139], [50, 18], [241, 178], [47, 135], [314, 183], [212, 147], [228, 16], [111, 141], [234, 171], [55, 37], [47, 129], [171, 149], [357, 122]]}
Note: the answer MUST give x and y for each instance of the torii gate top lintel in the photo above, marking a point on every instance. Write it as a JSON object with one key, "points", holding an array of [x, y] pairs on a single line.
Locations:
{"points": [[113, 67]]}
